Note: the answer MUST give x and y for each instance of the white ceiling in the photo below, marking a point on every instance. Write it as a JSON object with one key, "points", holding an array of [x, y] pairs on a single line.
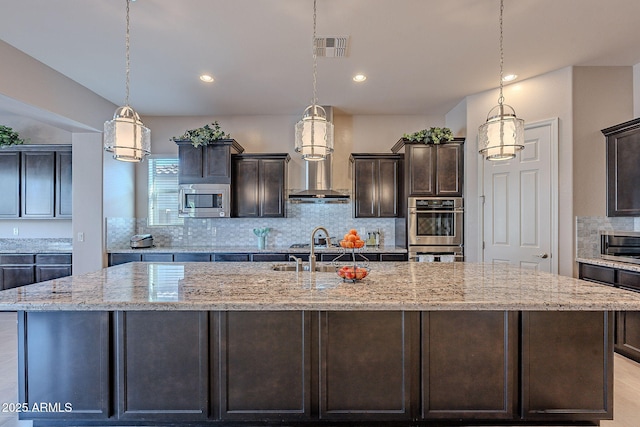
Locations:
{"points": [[420, 56]]}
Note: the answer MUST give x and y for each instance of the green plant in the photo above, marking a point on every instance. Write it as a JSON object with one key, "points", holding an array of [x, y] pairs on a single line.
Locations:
{"points": [[430, 136], [203, 135], [9, 137]]}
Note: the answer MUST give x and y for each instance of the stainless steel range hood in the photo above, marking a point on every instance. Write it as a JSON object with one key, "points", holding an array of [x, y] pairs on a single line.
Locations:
{"points": [[318, 185]]}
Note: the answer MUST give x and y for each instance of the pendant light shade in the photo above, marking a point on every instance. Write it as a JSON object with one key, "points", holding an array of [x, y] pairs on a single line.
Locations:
{"points": [[125, 136], [314, 134], [502, 135]]}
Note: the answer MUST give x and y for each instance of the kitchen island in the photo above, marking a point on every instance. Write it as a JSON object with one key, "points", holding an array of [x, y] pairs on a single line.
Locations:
{"points": [[229, 343]]}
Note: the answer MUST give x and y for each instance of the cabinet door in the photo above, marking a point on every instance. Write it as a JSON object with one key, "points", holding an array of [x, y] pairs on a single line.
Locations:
{"points": [[272, 187], [76, 368], [117, 259], [12, 276], [10, 178], [50, 272], [628, 334], [469, 363], [246, 188], [162, 365], [365, 367], [266, 361], [449, 170], [388, 185], [365, 188], [64, 204], [420, 159], [38, 171], [623, 173], [190, 162], [217, 164], [567, 365], [598, 274]]}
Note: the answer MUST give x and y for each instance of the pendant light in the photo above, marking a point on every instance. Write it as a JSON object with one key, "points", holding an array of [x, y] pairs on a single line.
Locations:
{"points": [[314, 133], [125, 136], [503, 133]]}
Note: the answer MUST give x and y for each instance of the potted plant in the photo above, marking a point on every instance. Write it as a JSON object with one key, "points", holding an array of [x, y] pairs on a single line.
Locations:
{"points": [[204, 135], [9, 137], [433, 135]]}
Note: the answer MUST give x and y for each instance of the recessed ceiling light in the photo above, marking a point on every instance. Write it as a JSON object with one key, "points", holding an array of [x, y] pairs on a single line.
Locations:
{"points": [[509, 77], [206, 78], [359, 78]]}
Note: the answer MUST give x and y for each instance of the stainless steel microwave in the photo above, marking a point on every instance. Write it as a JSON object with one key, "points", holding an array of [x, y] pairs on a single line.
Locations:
{"points": [[205, 200]]}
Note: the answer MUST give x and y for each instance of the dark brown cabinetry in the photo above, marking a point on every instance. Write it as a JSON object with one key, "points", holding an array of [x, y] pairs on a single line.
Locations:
{"points": [[25, 269], [10, 178], [52, 266], [377, 185], [434, 170], [37, 179], [208, 164], [627, 323], [259, 185], [623, 173], [459, 348], [564, 375], [66, 362], [163, 366], [267, 361]]}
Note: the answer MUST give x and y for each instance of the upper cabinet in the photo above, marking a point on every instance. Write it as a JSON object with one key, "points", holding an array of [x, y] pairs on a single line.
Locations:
{"points": [[623, 170], [206, 164], [377, 187], [434, 170], [37, 179], [259, 183]]}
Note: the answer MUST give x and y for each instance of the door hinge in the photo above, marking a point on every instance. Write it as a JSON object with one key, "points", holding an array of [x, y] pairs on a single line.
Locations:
{"points": [[483, 198], [483, 245]]}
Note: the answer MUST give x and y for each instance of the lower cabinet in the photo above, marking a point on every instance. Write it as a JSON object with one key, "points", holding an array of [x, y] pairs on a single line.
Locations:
{"points": [[566, 375], [469, 364], [331, 367], [162, 365], [64, 363]]}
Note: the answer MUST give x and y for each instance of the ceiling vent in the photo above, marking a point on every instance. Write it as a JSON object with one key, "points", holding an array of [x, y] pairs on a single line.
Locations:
{"points": [[332, 47]]}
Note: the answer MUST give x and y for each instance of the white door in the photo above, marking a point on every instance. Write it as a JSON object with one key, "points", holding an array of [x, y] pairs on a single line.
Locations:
{"points": [[520, 203]]}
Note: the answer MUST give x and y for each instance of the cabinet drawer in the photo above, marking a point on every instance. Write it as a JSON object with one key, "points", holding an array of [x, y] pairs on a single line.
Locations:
{"points": [[269, 257], [16, 259], [157, 257], [595, 273], [192, 257], [232, 257], [393, 257], [628, 279], [53, 258], [117, 259]]}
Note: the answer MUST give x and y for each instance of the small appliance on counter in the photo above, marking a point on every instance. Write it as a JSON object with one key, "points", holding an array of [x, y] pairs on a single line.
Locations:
{"points": [[621, 246], [141, 241]]}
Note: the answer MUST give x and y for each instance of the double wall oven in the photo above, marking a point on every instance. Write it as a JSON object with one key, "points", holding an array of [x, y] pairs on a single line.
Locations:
{"points": [[435, 228]]}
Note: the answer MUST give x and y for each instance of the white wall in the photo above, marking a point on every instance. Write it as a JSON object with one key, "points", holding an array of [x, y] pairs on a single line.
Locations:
{"points": [[88, 255], [540, 98]]}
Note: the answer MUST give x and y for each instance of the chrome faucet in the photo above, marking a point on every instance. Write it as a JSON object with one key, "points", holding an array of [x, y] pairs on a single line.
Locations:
{"points": [[298, 262], [312, 255]]}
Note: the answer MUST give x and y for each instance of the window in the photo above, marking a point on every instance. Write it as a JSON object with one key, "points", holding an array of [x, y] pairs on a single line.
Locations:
{"points": [[163, 192]]}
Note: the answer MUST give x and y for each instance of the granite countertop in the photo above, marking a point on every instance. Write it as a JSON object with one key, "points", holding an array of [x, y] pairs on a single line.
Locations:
{"points": [[609, 263], [250, 249], [255, 286], [36, 246]]}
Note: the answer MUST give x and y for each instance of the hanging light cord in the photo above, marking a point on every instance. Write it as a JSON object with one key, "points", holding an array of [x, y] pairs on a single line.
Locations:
{"points": [[315, 60], [501, 97], [126, 99]]}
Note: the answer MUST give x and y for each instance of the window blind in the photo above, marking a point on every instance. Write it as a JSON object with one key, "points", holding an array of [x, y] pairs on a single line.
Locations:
{"points": [[163, 192]]}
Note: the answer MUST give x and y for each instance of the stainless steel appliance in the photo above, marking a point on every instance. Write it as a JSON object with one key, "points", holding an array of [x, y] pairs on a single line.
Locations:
{"points": [[435, 227], [621, 246], [141, 241], [205, 200]]}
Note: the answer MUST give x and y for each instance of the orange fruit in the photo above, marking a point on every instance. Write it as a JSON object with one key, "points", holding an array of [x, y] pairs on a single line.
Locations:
{"points": [[350, 245], [359, 243], [346, 236], [352, 238], [353, 231]]}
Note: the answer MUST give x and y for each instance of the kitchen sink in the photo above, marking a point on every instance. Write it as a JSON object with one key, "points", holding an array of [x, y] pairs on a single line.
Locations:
{"points": [[319, 268]]}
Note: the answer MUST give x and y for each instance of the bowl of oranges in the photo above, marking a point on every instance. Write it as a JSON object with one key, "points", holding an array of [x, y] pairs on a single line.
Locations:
{"points": [[355, 270]]}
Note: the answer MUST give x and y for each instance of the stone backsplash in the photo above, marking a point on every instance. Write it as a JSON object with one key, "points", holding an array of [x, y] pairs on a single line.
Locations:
{"points": [[229, 232], [588, 230]]}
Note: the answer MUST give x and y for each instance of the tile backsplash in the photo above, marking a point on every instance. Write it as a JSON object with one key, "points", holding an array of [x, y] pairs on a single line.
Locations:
{"points": [[233, 232], [588, 230]]}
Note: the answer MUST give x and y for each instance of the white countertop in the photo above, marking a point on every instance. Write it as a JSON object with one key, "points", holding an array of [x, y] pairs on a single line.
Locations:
{"points": [[255, 286]]}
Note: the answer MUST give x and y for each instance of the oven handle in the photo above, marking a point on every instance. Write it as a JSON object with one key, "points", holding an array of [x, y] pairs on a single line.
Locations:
{"points": [[414, 210]]}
